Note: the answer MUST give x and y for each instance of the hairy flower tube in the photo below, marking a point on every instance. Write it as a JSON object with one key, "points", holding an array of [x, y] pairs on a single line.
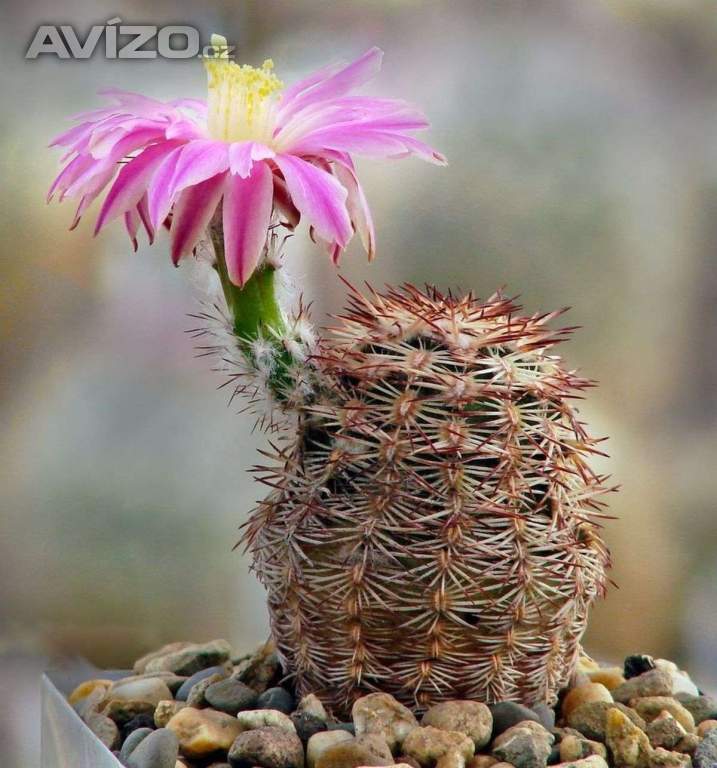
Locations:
{"points": [[255, 154]]}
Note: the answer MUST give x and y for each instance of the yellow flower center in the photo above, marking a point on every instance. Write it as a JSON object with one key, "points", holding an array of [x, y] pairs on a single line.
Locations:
{"points": [[242, 99]]}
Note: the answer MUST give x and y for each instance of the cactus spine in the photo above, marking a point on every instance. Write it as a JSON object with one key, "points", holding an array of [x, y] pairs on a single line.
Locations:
{"points": [[433, 530]]}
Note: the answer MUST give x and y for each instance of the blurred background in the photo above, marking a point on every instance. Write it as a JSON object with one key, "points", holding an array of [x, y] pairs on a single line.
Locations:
{"points": [[583, 172]]}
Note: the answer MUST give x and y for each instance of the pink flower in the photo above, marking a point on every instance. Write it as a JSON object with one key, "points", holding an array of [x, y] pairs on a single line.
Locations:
{"points": [[259, 151]]}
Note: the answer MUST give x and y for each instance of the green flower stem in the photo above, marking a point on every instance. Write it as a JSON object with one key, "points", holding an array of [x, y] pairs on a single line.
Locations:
{"points": [[255, 312], [254, 306]]}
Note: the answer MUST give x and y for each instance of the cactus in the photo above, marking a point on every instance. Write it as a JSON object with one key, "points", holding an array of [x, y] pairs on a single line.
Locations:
{"points": [[433, 530]]}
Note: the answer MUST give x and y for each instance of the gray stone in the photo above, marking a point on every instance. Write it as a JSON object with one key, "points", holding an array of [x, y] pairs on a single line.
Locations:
{"points": [[276, 698], [197, 696], [158, 750], [506, 714], [307, 725], [545, 713], [230, 696], [105, 729], [348, 727], [267, 747], [191, 658], [263, 718], [705, 755], [701, 707], [525, 745], [132, 741], [190, 682], [123, 711], [655, 682]]}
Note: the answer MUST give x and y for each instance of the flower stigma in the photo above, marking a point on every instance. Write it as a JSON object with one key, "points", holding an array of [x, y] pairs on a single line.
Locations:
{"points": [[242, 99]]}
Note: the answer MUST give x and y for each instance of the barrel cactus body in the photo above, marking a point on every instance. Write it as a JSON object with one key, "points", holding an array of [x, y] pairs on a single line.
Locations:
{"points": [[433, 530]]}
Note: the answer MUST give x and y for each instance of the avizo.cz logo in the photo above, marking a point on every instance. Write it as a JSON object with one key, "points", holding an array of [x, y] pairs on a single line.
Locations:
{"points": [[121, 41]]}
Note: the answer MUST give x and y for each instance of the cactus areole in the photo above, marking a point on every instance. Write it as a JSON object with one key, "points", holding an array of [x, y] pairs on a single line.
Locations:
{"points": [[433, 530], [433, 525]]}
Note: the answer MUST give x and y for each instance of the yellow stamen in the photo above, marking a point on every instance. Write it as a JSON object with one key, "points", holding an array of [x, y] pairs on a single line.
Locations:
{"points": [[241, 98]]}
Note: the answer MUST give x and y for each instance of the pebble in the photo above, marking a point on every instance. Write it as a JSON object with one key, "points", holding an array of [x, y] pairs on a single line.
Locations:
{"points": [[628, 745], [594, 761], [197, 696], [349, 727], [90, 704], [83, 690], [230, 696], [507, 714], [584, 694], [665, 731], [369, 750], [307, 725], [267, 747], [481, 761], [651, 707], [705, 727], [191, 658], [319, 742], [311, 705], [637, 664], [173, 682], [702, 707], [203, 731], [681, 681], [124, 712], [590, 718], [262, 718], [190, 682], [158, 749], [276, 698], [663, 758], [165, 711], [469, 717], [545, 714], [576, 747], [688, 743], [525, 745], [141, 721], [140, 666], [381, 714], [610, 677], [434, 746], [105, 729], [261, 669], [132, 741], [655, 682], [705, 756], [150, 690]]}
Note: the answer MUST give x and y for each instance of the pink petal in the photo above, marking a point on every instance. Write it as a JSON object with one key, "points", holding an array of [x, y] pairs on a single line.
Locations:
{"points": [[192, 213], [131, 223], [284, 204], [143, 211], [69, 173], [243, 154], [319, 197], [337, 84], [375, 143], [247, 215], [357, 207], [131, 182], [159, 196], [199, 160]]}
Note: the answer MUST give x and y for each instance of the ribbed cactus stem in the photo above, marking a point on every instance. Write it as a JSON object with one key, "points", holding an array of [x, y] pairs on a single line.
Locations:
{"points": [[434, 530]]}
